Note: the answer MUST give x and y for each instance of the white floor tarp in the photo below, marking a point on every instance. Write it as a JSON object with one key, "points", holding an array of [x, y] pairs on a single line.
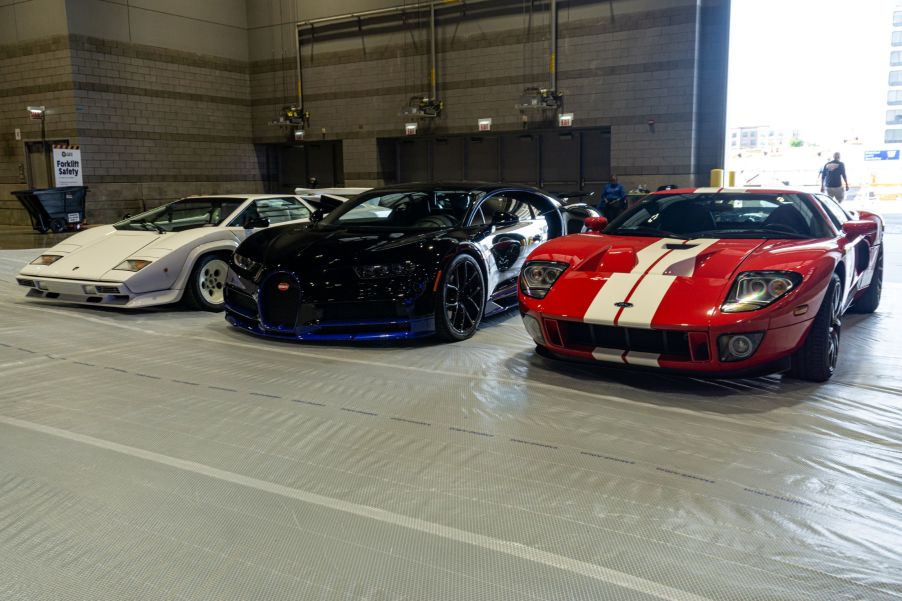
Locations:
{"points": [[164, 455]]}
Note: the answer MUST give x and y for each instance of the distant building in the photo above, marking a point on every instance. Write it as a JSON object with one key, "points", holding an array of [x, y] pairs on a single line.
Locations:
{"points": [[893, 135], [763, 138]]}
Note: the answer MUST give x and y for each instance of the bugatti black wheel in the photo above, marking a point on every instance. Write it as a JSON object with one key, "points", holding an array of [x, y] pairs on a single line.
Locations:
{"points": [[461, 300]]}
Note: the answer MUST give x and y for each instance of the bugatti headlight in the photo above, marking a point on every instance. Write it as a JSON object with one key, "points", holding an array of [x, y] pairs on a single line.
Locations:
{"points": [[133, 265], [388, 270], [755, 290], [47, 259], [244, 263], [538, 277]]}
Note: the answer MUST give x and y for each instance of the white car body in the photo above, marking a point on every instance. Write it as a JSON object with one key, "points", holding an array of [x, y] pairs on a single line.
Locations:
{"points": [[335, 196], [87, 273]]}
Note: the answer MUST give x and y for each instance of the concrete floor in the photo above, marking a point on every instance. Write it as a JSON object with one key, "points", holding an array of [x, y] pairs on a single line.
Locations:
{"points": [[163, 455]]}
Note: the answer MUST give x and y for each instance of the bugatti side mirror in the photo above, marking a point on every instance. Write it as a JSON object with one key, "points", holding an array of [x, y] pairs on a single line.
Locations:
{"points": [[596, 224], [861, 227], [317, 216], [256, 222], [502, 219]]}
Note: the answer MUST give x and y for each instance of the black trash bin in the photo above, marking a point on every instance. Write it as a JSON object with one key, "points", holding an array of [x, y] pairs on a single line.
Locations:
{"points": [[54, 209]]}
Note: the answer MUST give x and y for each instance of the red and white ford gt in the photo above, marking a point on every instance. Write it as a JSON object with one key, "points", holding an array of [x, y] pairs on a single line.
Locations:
{"points": [[711, 281]]}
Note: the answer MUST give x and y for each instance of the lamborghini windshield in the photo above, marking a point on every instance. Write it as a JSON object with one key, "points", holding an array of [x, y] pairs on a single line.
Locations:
{"points": [[184, 214], [411, 209], [723, 215]]}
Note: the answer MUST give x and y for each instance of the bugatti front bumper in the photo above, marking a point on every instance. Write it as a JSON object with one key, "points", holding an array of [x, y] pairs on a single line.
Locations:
{"points": [[279, 308]]}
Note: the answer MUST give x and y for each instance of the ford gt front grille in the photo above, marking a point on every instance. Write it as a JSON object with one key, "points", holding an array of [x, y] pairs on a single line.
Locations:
{"points": [[590, 336]]}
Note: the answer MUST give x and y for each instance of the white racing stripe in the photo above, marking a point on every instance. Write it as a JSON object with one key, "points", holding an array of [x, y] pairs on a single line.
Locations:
{"points": [[645, 285], [647, 359]]}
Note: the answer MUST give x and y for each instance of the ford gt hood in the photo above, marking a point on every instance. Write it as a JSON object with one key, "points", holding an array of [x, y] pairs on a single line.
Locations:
{"points": [[643, 282]]}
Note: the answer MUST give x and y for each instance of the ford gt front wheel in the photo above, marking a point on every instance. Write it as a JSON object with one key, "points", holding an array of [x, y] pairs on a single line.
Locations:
{"points": [[461, 300], [816, 360]]}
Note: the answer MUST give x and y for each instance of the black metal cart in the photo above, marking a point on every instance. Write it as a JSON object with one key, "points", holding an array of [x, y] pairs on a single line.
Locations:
{"points": [[54, 209]]}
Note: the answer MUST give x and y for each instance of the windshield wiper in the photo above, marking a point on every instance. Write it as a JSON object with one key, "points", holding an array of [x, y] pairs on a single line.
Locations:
{"points": [[152, 225], [646, 231], [765, 232]]}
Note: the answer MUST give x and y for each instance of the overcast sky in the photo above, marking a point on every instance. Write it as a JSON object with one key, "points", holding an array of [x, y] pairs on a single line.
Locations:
{"points": [[821, 66]]}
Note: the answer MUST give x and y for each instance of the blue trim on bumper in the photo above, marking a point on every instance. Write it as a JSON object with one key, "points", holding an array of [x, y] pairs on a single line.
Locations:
{"points": [[419, 327]]}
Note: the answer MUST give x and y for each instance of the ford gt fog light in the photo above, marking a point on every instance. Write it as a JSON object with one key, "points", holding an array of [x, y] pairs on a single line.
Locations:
{"points": [[534, 328], [47, 259], [538, 277], [736, 347], [132, 265]]}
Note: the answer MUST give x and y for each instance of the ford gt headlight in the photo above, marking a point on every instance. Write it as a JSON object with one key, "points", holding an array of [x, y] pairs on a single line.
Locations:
{"points": [[755, 290], [538, 277], [244, 263], [132, 265], [391, 270], [47, 259]]}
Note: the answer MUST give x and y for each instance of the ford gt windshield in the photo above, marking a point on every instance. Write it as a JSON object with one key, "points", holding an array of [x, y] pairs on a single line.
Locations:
{"points": [[723, 215], [184, 214], [413, 209]]}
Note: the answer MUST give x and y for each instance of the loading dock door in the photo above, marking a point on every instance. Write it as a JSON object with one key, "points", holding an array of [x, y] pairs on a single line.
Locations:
{"points": [[559, 160], [320, 160]]}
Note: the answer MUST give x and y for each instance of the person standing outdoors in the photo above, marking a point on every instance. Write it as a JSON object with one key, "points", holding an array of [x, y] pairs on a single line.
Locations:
{"points": [[613, 197], [833, 176]]}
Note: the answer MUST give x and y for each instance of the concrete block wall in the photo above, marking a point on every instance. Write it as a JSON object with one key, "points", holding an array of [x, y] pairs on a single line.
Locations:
{"points": [[169, 97], [156, 92], [620, 64], [156, 124]]}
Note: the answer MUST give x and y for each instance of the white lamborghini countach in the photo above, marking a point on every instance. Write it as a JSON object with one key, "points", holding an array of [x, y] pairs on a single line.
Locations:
{"points": [[174, 252]]}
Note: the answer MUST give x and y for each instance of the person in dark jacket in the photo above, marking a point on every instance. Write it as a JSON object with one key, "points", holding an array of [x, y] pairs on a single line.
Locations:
{"points": [[613, 199], [833, 176]]}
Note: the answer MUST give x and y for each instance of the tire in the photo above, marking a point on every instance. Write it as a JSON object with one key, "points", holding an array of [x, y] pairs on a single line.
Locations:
{"points": [[816, 360], [57, 226], [460, 302], [870, 300], [206, 284]]}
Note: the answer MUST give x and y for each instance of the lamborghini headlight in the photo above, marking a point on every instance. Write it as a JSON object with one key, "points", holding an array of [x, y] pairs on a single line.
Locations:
{"points": [[538, 277], [390, 270], [755, 290], [244, 263], [47, 259], [133, 265]]}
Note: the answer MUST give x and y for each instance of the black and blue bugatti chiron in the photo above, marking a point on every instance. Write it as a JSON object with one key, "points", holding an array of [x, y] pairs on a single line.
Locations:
{"points": [[399, 262]]}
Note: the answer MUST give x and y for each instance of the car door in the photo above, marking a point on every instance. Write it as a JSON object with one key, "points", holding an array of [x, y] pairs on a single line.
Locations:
{"points": [[507, 244], [856, 253]]}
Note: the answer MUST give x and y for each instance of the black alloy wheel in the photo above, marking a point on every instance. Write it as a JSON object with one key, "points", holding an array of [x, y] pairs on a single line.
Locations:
{"points": [[816, 360], [461, 301], [870, 300]]}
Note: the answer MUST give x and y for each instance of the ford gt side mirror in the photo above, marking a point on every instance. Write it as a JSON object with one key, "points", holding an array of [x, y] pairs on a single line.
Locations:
{"points": [[595, 224], [502, 219], [862, 227]]}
